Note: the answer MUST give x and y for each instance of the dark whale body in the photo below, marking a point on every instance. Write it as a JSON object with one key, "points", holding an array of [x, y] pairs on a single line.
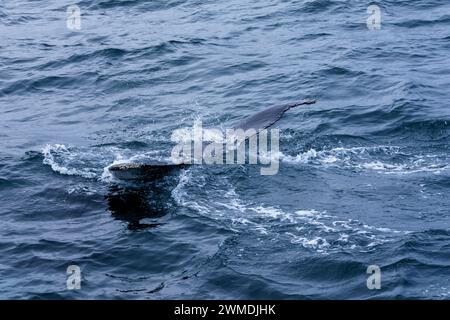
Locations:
{"points": [[144, 170], [152, 169]]}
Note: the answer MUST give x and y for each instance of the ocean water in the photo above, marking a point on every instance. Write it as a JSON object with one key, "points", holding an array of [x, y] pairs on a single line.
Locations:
{"points": [[364, 174]]}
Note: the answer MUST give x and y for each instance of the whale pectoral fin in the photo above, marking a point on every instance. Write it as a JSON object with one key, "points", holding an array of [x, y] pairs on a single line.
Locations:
{"points": [[152, 170], [301, 103], [266, 118]]}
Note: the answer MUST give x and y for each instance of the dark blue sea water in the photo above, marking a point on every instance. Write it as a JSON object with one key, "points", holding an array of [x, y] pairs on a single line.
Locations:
{"points": [[364, 175]]}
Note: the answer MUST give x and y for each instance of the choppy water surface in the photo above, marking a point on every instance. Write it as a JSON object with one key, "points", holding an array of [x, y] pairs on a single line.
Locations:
{"points": [[364, 174]]}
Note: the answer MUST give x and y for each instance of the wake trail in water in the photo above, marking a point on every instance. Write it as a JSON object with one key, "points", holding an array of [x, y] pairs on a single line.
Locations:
{"points": [[312, 229]]}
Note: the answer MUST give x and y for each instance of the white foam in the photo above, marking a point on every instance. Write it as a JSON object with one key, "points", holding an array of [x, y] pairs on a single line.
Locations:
{"points": [[106, 174], [310, 228], [53, 155], [368, 158]]}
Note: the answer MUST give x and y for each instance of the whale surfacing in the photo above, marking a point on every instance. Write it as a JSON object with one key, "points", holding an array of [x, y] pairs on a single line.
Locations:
{"points": [[148, 170], [153, 169]]}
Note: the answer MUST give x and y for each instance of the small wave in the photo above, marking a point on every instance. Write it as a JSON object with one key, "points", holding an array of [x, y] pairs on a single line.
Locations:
{"points": [[315, 6], [385, 159], [339, 71], [420, 130], [147, 5], [58, 155], [82, 190], [326, 233], [93, 162], [414, 23]]}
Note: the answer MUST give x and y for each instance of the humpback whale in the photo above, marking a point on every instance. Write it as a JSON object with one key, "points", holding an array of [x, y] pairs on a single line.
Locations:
{"points": [[266, 118], [153, 169]]}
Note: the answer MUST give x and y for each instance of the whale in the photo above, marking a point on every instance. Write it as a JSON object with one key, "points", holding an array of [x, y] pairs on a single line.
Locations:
{"points": [[150, 169], [268, 117]]}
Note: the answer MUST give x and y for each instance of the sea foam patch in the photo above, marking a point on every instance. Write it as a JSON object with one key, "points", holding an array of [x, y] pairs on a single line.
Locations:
{"points": [[381, 159]]}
